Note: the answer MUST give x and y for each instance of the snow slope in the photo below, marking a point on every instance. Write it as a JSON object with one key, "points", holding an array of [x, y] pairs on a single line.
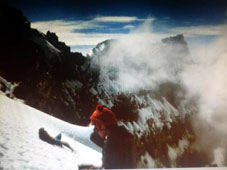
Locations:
{"points": [[21, 148]]}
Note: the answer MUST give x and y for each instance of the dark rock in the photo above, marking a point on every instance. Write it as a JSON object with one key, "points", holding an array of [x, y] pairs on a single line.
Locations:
{"points": [[40, 69], [178, 39], [13, 23], [53, 39]]}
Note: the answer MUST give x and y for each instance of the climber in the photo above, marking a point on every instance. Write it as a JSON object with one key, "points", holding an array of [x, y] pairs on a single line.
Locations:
{"points": [[43, 135], [118, 144]]}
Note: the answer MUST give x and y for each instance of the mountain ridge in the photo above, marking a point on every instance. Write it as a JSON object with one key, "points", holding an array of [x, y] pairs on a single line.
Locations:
{"points": [[68, 86]]}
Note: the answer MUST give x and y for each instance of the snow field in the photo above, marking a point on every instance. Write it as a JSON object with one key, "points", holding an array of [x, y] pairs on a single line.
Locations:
{"points": [[21, 148]]}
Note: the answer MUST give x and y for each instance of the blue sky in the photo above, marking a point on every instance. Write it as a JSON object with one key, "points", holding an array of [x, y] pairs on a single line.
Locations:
{"points": [[82, 24]]}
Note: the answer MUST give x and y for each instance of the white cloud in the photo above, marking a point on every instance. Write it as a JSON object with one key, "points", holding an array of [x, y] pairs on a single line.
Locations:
{"points": [[63, 26], [145, 26], [206, 78], [129, 27], [192, 31], [65, 30], [122, 19]]}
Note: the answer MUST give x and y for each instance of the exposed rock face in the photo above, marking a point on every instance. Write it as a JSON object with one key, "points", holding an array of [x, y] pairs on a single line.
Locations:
{"points": [[43, 69], [53, 39]]}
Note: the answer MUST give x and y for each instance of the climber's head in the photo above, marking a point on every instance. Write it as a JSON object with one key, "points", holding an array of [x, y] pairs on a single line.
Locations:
{"points": [[103, 118], [43, 133]]}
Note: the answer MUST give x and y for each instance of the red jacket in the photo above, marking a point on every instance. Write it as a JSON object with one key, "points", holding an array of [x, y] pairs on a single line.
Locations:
{"points": [[103, 116]]}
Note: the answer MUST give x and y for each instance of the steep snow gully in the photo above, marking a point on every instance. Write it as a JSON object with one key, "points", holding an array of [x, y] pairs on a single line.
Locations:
{"points": [[21, 148]]}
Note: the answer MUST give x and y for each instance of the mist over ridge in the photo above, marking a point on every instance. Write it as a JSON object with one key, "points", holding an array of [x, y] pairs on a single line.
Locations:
{"points": [[139, 62]]}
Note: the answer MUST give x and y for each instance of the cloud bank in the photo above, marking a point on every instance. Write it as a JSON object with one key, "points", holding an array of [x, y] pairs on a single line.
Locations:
{"points": [[207, 79], [140, 61]]}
